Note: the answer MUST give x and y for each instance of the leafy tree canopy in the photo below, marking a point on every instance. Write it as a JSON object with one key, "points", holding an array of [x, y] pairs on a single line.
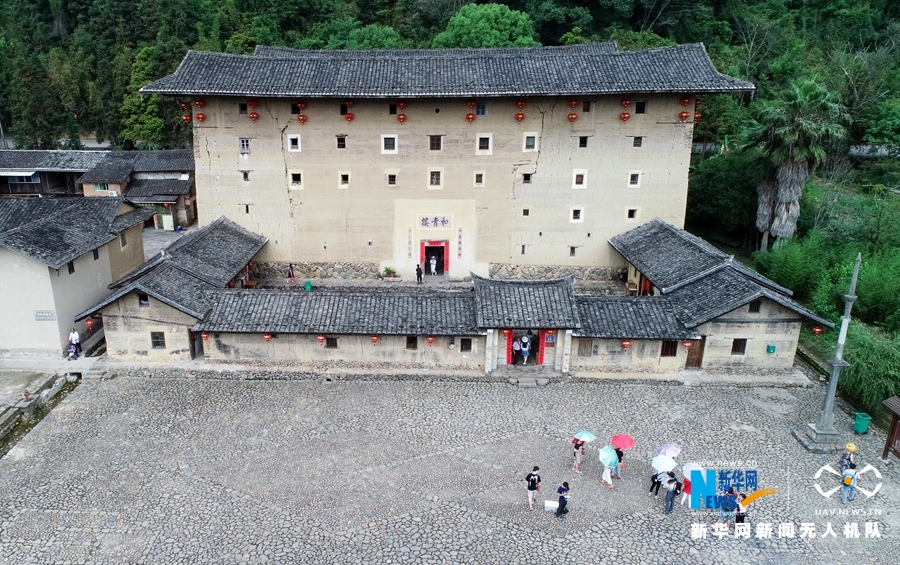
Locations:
{"points": [[487, 25]]}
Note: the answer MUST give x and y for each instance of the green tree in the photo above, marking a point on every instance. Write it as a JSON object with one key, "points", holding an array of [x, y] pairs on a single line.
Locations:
{"points": [[633, 40], [374, 36], [792, 132], [487, 25], [141, 120]]}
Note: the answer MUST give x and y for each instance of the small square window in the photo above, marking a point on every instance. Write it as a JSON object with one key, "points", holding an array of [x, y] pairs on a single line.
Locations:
{"points": [[242, 108], [586, 106], [632, 213], [582, 141], [246, 208], [245, 146], [246, 175], [412, 342], [640, 107], [434, 178], [123, 240], [576, 214], [293, 143], [388, 144], [344, 109], [484, 143], [392, 180], [669, 348], [158, 340], [571, 252], [481, 109], [392, 109], [526, 178], [96, 253], [634, 179], [331, 343], [295, 108], [530, 142], [479, 178], [71, 267], [638, 142], [143, 300], [465, 344], [579, 179], [341, 142], [523, 250], [345, 178], [296, 178], [738, 346], [526, 212], [753, 307], [434, 142]]}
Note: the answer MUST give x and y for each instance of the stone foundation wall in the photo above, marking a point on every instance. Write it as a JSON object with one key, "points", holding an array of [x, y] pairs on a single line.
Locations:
{"points": [[533, 273], [311, 270]]}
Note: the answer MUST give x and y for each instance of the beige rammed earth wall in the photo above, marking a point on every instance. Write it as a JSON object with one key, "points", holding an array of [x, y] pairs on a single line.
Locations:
{"points": [[351, 349], [128, 326], [366, 220], [643, 356], [773, 325], [124, 259]]}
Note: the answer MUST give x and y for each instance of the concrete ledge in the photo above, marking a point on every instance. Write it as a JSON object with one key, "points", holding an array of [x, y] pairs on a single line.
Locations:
{"points": [[795, 379]]}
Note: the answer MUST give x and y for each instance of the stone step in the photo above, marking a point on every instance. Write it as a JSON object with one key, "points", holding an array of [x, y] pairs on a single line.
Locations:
{"points": [[529, 382]]}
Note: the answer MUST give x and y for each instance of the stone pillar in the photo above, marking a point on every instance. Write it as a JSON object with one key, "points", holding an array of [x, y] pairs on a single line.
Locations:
{"points": [[567, 350], [489, 352]]}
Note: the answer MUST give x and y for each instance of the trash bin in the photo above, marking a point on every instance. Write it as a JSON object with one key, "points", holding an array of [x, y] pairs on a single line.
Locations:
{"points": [[307, 285], [861, 425]]}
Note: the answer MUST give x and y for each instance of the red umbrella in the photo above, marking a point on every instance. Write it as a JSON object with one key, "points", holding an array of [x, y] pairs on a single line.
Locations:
{"points": [[622, 441]]}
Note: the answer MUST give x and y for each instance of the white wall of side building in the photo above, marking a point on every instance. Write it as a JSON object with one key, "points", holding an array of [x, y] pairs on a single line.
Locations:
{"points": [[367, 220]]}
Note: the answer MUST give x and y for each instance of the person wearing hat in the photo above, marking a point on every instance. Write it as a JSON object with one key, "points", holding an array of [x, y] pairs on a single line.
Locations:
{"points": [[848, 457]]}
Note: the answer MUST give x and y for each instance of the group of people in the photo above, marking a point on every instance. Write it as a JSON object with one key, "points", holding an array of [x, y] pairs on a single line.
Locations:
{"points": [[522, 348], [432, 264]]}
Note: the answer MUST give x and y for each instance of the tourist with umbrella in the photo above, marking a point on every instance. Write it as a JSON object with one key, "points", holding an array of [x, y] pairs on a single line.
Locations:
{"points": [[578, 442], [620, 443], [609, 459], [662, 464]]}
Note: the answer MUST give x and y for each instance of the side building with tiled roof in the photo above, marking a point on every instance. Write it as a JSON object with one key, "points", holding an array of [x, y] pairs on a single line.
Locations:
{"points": [[483, 159], [57, 256]]}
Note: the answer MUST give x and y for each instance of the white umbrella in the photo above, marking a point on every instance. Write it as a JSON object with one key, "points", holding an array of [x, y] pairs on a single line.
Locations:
{"points": [[688, 467], [585, 435], [663, 463]]}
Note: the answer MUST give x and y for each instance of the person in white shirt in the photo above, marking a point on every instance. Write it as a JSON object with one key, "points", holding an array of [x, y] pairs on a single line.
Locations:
{"points": [[75, 340]]}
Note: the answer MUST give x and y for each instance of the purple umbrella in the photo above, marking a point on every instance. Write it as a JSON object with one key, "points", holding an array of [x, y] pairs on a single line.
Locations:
{"points": [[670, 449]]}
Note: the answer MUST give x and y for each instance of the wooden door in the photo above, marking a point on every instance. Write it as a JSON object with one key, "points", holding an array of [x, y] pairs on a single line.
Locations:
{"points": [[695, 354]]}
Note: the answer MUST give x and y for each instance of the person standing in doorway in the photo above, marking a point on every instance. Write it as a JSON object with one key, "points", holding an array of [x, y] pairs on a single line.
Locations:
{"points": [[563, 492], [526, 343], [291, 272], [517, 350], [433, 264], [75, 340], [418, 274], [532, 485]]}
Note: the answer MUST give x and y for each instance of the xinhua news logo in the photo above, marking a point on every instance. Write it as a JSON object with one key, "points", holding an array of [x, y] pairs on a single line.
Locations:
{"points": [[709, 488]]}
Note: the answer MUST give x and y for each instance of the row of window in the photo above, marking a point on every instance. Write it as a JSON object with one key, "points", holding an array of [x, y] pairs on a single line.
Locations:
{"points": [[390, 143], [669, 348], [481, 108], [158, 341]]}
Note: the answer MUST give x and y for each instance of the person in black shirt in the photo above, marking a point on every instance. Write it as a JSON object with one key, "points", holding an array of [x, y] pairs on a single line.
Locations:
{"points": [[533, 485]]}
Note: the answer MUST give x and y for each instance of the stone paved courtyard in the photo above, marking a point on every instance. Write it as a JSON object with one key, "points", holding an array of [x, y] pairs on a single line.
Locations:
{"points": [[222, 471]]}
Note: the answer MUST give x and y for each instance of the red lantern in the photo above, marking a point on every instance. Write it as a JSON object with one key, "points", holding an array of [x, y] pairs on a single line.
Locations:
{"points": [[267, 337], [205, 336], [200, 117], [321, 339], [349, 116], [470, 103], [697, 116], [504, 331], [572, 117], [254, 116], [374, 339], [684, 115], [301, 106], [401, 118], [520, 116], [573, 103], [348, 103], [551, 332], [165, 204], [302, 118], [89, 323], [625, 344], [198, 103], [401, 105], [626, 102], [430, 340], [818, 330], [685, 101], [624, 116], [520, 104], [251, 103], [471, 117], [186, 118], [687, 344], [185, 105], [697, 102]]}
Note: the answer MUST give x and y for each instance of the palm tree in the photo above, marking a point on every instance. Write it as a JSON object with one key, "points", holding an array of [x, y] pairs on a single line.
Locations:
{"points": [[792, 133]]}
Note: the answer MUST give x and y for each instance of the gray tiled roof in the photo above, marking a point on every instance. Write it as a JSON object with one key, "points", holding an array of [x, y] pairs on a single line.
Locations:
{"points": [[630, 317], [345, 313], [55, 231], [51, 161], [526, 304], [164, 161], [154, 191], [724, 291], [671, 257], [591, 69], [202, 260]]}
